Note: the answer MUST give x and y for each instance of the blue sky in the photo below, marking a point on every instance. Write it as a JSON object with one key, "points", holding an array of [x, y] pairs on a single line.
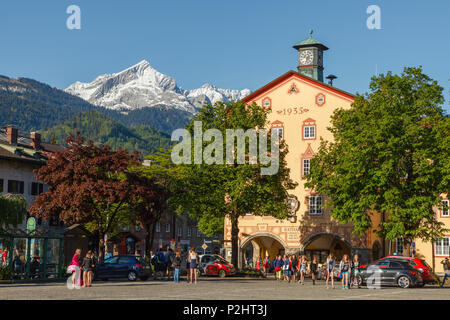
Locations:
{"points": [[231, 44]]}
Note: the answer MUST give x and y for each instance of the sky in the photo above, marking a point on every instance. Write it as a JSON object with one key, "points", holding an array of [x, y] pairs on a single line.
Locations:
{"points": [[230, 44]]}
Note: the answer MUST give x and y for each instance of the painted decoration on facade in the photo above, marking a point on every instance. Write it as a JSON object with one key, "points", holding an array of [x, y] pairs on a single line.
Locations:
{"points": [[293, 89], [292, 111], [320, 99]]}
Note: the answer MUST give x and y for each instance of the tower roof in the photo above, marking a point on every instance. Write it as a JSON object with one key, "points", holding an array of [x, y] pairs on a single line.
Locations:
{"points": [[310, 42]]}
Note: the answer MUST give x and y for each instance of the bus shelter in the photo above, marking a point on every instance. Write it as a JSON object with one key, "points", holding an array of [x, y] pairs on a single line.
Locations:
{"points": [[32, 255]]}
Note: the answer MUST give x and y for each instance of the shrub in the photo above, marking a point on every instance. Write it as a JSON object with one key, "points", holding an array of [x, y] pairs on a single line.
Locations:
{"points": [[5, 273]]}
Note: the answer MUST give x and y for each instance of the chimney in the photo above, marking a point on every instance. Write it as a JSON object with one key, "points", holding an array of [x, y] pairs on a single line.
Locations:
{"points": [[11, 134], [35, 140]]}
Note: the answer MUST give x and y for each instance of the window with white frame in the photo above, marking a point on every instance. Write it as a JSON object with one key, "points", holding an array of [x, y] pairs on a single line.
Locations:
{"points": [[442, 247], [309, 132], [315, 205], [189, 232], [278, 132], [399, 245], [444, 209], [180, 231], [158, 227], [305, 166], [168, 227]]}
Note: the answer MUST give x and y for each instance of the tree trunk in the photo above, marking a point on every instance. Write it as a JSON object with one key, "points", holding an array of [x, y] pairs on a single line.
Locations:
{"points": [[152, 236], [147, 239], [407, 247], [101, 246], [234, 239]]}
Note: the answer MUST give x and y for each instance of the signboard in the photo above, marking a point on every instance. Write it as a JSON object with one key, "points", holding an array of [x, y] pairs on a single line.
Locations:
{"points": [[204, 246], [208, 241], [31, 224]]}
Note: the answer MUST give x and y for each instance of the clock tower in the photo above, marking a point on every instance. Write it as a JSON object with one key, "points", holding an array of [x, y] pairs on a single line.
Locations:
{"points": [[310, 57]]}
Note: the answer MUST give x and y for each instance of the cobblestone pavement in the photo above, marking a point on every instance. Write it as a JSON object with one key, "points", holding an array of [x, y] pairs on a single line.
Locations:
{"points": [[212, 289]]}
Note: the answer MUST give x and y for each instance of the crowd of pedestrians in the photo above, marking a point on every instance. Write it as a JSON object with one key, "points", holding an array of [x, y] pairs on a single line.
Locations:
{"points": [[291, 268]]}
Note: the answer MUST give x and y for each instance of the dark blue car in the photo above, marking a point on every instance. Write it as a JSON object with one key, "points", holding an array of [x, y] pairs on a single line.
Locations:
{"points": [[122, 266]]}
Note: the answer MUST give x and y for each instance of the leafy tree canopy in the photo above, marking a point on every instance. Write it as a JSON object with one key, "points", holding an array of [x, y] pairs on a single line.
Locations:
{"points": [[389, 156]]}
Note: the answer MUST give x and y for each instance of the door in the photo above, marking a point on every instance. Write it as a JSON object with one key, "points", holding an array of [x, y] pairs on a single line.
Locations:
{"points": [[124, 265], [395, 268], [383, 271]]}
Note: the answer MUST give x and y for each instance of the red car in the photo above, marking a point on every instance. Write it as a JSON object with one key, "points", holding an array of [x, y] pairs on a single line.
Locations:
{"points": [[215, 265], [425, 270]]}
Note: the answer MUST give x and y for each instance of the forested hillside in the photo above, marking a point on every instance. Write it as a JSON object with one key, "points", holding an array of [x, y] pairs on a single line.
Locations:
{"points": [[103, 130]]}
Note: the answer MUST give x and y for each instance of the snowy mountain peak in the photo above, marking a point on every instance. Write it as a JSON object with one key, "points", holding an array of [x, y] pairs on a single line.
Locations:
{"points": [[141, 86]]}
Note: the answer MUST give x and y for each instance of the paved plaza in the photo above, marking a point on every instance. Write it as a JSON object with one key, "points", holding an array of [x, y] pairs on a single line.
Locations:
{"points": [[212, 289]]}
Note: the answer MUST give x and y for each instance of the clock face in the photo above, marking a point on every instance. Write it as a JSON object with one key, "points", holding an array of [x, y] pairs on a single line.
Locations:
{"points": [[306, 57]]}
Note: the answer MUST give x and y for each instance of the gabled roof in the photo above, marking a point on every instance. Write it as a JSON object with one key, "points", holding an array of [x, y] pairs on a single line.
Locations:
{"points": [[299, 76]]}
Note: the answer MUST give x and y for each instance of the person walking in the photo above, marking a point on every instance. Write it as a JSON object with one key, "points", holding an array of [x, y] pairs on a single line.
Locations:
{"points": [[266, 265], [446, 264], [278, 264], [176, 267], [188, 268], [330, 265], [154, 261], [355, 271], [344, 269], [303, 265], [294, 267], [193, 261], [314, 267], [258, 265], [286, 266], [87, 266]]}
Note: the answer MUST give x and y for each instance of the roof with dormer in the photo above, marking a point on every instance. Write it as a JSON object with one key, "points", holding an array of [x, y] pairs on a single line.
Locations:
{"points": [[23, 151]]}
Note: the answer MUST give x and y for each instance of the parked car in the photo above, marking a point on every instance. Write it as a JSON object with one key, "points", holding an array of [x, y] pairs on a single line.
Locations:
{"points": [[391, 273], [213, 264], [122, 266], [425, 270]]}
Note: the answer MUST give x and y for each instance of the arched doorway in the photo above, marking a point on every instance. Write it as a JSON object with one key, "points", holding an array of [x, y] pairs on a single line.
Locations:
{"points": [[322, 244], [260, 244], [376, 250]]}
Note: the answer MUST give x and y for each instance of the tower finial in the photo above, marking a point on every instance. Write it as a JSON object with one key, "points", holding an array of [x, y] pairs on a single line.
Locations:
{"points": [[310, 33]]}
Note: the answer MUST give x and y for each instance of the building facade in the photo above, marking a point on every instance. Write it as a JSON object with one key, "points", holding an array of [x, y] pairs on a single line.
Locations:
{"points": [[20, 155], [172, 231], [301, 105]]}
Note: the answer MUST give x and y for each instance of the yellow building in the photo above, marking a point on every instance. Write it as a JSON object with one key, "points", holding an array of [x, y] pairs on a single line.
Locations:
{"points": [[301, 106], [434, 252]]}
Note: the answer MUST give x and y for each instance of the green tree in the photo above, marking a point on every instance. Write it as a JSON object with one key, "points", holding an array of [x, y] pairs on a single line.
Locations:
{"points": [[13, 208], [229, 189], [388, 157]]}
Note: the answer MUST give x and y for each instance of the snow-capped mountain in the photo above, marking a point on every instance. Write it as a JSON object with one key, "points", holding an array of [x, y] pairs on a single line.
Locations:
{"points": [[142, 86]]}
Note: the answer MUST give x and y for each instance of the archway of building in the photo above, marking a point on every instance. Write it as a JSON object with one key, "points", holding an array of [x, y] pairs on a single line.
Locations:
{"points": [[321, 245], [260, 245]]}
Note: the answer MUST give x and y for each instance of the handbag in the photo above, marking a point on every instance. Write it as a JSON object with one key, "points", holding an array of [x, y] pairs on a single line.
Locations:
{"points": [[277, 268]]}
